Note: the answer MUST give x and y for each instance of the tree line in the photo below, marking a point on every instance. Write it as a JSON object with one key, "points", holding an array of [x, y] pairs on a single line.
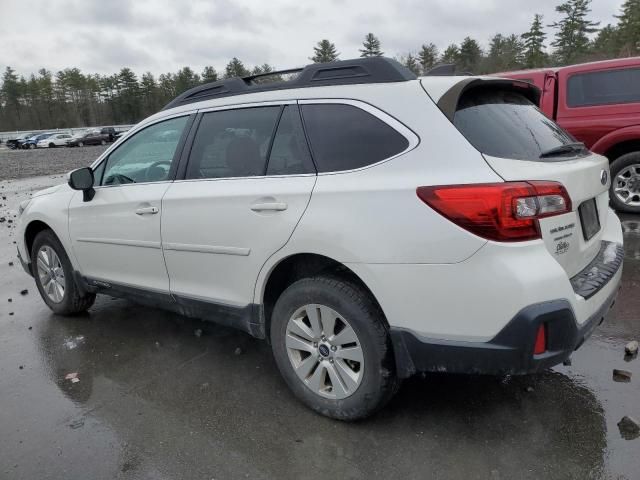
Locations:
{"points": [[71, 98]]}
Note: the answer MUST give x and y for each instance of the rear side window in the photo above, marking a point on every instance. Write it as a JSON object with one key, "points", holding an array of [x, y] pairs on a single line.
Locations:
{"points": [[233, 143], [289, 152], [344, 137], [604, 88], [506, 124]]}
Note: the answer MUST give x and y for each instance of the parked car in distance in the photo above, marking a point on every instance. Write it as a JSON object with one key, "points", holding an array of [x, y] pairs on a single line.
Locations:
{"points": [[32, 142], [599, 104], [369, 223], [14, 143], [110, 132], [55, 140], [88, 138]]}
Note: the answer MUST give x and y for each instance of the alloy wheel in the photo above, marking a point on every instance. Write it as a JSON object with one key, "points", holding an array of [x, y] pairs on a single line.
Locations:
{"points": [[51, 273], [626, 185], [325, 351]]}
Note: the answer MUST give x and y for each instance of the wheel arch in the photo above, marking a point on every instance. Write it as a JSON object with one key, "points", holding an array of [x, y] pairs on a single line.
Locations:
{"points": [[33, 228], [617, 143], [296, 266]]}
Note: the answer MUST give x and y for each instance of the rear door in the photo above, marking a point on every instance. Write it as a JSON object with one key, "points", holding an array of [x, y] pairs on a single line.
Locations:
{"points": [[247, 183], [520, 143]]}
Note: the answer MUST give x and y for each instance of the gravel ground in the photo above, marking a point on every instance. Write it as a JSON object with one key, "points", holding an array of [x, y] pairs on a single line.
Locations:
{"points": [[45, 161]]}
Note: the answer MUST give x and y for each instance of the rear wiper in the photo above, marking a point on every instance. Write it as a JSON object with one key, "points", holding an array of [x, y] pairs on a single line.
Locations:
{"points": [[566, 148]]}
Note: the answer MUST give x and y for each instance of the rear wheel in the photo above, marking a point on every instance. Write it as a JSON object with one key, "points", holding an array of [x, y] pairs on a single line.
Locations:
{"points": [[625, 183], [32, 146], [52, 145], [332, 346], [53, 274]]}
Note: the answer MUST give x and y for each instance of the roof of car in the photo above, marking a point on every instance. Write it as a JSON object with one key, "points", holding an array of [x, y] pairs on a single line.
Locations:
{"points": [[597, 64]]}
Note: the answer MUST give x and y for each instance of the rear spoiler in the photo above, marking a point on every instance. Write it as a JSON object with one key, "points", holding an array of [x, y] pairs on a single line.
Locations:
{"points": [[448, 103]]}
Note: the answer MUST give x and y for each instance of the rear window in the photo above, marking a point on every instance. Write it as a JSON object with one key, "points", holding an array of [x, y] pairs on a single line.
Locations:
{"points": [[506, 124], [604, 88], [344, 137]]}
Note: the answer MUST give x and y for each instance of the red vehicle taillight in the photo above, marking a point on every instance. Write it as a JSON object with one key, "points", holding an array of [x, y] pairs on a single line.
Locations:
{"points": [[505, 212], [540, 345]]}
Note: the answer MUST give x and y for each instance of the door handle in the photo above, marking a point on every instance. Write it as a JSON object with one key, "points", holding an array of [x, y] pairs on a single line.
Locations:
{"points": [[266, 206], [147, 211]]}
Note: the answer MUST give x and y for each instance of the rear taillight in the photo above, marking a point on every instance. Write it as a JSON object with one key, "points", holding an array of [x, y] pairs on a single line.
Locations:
{"points": [[505, 212], [540, 346]]}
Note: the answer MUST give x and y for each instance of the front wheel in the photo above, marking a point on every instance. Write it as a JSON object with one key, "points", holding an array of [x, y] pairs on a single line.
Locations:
{"points": [[53, 274], [52, 145], [625, 183], [332, 346]]}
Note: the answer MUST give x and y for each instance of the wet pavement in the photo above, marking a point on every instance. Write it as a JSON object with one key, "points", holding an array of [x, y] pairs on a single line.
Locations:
{"points": [[156, 401]]}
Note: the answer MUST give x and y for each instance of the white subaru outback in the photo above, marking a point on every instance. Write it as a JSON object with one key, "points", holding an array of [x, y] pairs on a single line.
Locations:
{"points": [[369, 223]]}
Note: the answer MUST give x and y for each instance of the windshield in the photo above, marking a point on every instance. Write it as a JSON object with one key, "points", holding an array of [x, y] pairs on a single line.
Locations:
{"points": [[504, 123]]}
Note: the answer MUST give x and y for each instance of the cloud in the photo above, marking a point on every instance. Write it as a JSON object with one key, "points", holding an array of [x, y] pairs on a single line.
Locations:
{"points": [[164, 35]]}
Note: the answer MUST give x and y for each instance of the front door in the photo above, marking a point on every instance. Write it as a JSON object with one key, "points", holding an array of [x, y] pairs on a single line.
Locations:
{"points": [[116, 235], [245, 190]]}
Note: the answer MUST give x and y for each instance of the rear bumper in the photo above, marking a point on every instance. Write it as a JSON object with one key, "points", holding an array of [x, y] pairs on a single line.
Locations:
{"points": [[510, 351]]}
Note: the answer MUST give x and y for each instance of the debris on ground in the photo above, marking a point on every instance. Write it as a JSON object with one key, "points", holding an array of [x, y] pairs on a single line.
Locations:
{"points": [[21, 367], [11, 264], [621, 375], [10, 313], [2, 219], [157, 344], [567, 362], [631, 348], [197, 332], [24, 292], [237, 351], [72, 342], [73, 377], [529, 389], [204, 386], [77, 423], [30, 328], [10, 300], [629, 428]]}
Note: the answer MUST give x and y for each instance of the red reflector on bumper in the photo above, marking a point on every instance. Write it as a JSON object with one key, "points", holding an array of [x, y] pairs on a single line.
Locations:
{"points": [[541, 340]]}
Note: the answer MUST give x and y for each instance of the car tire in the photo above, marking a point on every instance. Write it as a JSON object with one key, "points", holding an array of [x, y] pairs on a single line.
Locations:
{"points": [[81, 144], [32, 146], [52, 145], [368, 384], [627, 167], [70, 301]]}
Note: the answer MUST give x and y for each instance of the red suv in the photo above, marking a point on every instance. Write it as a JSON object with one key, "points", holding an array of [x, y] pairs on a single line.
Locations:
{"points": [[599, 103]]}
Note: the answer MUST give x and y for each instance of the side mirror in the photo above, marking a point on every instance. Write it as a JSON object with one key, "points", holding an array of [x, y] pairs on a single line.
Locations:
{"points": [[82, 179]]}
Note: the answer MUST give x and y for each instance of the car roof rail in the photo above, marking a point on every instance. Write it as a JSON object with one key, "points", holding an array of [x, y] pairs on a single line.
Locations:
{"points": [[342, 72]]}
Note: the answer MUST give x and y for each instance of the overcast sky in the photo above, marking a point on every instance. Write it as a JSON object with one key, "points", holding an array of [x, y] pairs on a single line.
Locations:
{"points": [[102, 36]]}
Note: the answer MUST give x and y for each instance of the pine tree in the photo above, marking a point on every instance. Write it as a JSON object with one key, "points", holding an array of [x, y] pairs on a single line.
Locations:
{"points": [[11, 93], [411, 62], [571, 40], [470, 55], [534, 53], [371, 46], [428, 57], [608, 44], [325, 51], [235, 68], [209, 74], [629, 27], [451, 54]]}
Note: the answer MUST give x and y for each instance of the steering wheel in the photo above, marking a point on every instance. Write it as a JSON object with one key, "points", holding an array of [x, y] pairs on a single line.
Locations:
{"points": [[153, 172]]}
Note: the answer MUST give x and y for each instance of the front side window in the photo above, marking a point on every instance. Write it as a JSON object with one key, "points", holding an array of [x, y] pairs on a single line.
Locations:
{"points": [[504, 123], [344, 137], [233, 143], [146, 156], [604, 88]]}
